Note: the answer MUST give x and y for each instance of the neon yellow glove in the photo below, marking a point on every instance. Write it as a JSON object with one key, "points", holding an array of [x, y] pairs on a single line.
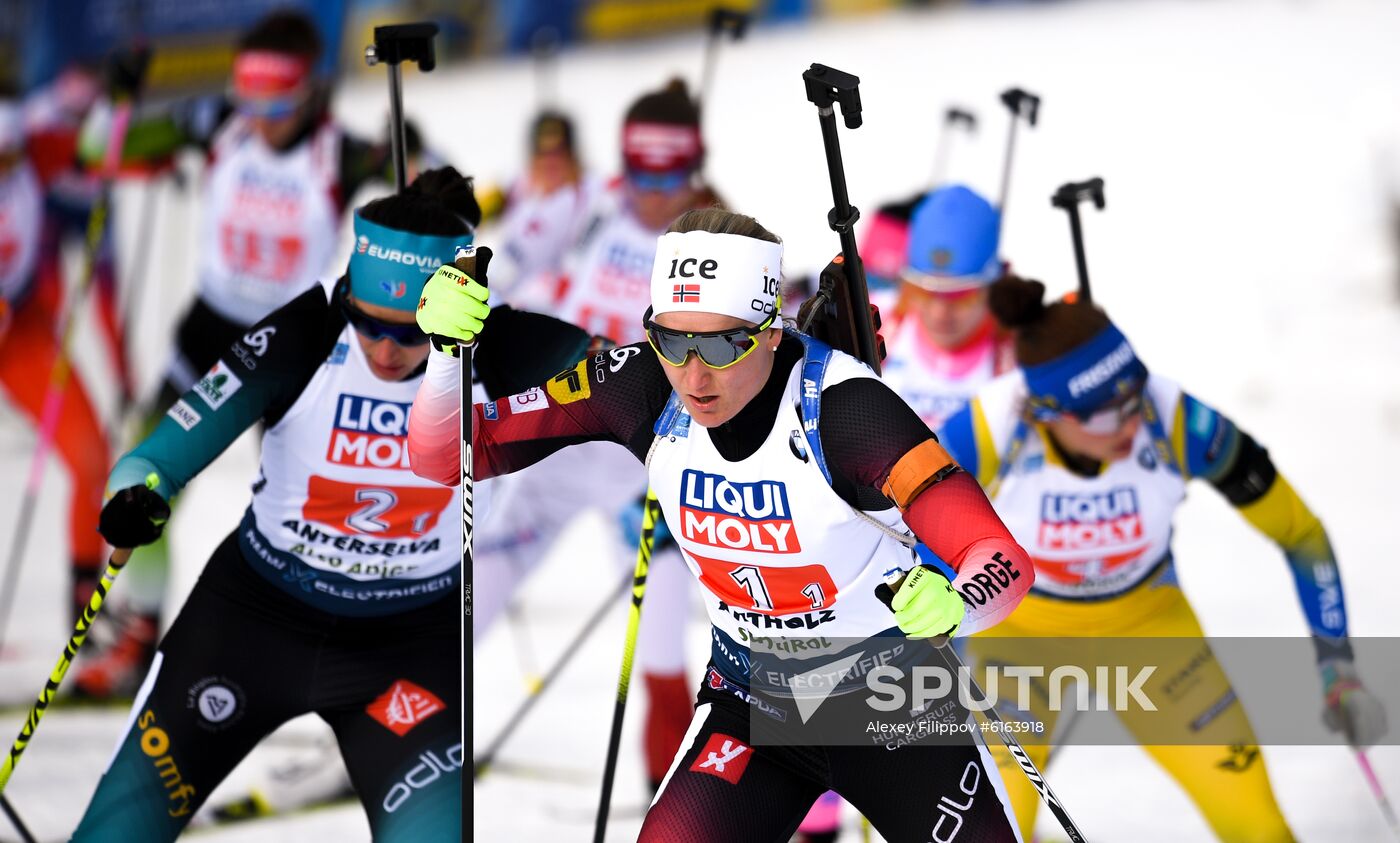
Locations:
{"points": [[453, 307], [926, 606]]}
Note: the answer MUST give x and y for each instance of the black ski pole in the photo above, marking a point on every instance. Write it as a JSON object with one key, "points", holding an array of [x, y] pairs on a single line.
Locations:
{"points": [[24, 833], [953, 663], [482, 763], [1021, 103], [723, 21], [952, 119], [1067, 198], [826, 88]]}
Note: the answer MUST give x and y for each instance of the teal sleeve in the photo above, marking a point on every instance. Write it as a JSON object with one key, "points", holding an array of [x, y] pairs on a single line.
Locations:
{"points": [[260, 374]]}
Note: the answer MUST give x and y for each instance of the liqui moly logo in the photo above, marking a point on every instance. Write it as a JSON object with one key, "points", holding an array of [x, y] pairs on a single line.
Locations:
{"points": [[738, 516], [369, 433], [1088, 521]]}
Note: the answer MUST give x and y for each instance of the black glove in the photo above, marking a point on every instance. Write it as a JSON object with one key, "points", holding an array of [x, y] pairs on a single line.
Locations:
{"points": [[134, 516]]}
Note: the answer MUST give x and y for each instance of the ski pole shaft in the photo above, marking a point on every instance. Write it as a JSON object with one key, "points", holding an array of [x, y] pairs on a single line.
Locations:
{"points": [[13, 816], [1013, 746], [1378, 791], [828, 87], [650, 513], [70, 652], [952, 662], [483, 762], [474, 263]]}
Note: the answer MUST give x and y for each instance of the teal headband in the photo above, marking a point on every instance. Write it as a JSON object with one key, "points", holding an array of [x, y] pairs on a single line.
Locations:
{"points": [[389, 267]]}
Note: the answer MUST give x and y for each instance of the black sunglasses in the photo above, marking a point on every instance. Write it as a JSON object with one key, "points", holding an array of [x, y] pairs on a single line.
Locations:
{"points": [[716, 349], [403, 333]]}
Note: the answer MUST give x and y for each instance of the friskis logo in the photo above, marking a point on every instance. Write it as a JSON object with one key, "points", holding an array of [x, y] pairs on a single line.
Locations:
{"points": [[685, 293], [1089, 522], [218, 386], [393, 289], [723, 757], [369, 433], [738, 516], [404, 706]]}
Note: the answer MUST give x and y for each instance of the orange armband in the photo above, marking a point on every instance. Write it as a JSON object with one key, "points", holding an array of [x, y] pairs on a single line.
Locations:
{"points": [[918, 469]]}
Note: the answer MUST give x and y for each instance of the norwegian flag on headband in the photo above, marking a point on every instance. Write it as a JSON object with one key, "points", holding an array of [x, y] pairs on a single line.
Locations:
{"points": [[661, 146], [685, 292]]}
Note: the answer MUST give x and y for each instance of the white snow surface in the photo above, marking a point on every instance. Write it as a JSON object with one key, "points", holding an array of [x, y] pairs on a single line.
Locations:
{"points": [[1248, 148]]}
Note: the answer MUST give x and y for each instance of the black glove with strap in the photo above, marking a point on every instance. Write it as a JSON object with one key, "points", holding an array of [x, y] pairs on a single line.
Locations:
{"points": [[135, 516]]}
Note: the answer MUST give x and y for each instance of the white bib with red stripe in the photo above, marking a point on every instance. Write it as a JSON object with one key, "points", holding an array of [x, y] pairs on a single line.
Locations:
{"points": [[1090, 537], [609, 278], [778, 553], [336, 490], [270, 221]]}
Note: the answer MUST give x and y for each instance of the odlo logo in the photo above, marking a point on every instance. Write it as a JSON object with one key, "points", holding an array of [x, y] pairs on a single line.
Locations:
{"points": [[155, 744], [950, 811], [738, 516], [430, 767], [369, 433]]}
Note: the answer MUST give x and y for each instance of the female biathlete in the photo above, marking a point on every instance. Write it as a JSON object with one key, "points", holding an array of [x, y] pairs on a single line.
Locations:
{"points": [[1086, 456], [280, 176], [715, 408], [338, 592]]}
